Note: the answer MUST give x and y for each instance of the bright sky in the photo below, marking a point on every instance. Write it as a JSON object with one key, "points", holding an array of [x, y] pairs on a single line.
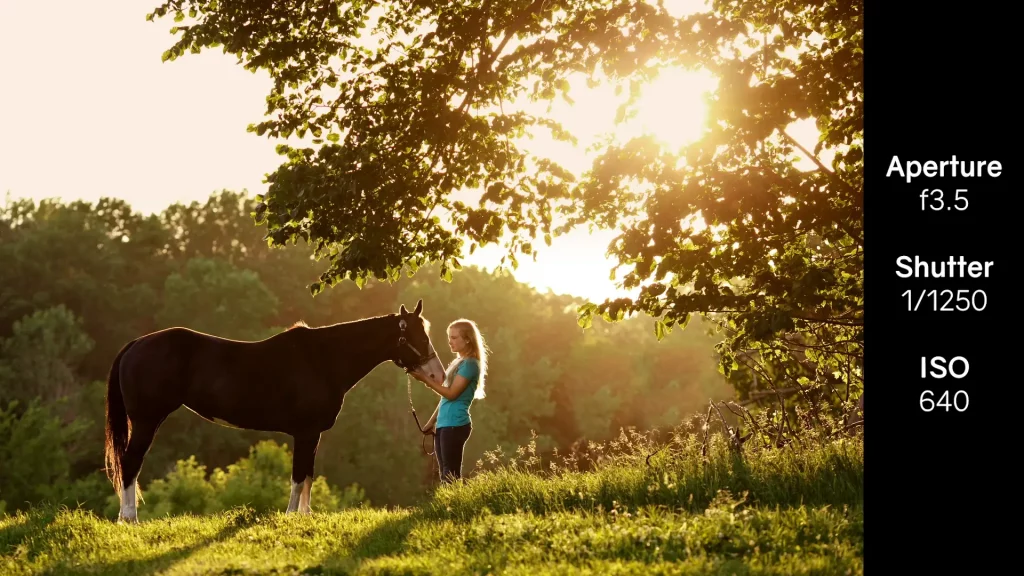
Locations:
{"points": [[87, 109]]}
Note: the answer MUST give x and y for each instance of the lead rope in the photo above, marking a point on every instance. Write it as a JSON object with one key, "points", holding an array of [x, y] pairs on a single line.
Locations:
{"points": [[408, 383]]}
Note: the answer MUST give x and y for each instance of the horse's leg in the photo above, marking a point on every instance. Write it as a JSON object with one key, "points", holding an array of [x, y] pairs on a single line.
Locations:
{"points": [[302, 471], [307, 487], [131, 464]]}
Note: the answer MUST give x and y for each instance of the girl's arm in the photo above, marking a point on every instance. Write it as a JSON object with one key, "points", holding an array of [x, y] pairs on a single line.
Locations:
{"points": [[453, 392]]}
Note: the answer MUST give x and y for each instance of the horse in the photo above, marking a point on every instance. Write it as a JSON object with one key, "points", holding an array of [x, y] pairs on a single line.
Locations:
{"points": [[294, 382]]}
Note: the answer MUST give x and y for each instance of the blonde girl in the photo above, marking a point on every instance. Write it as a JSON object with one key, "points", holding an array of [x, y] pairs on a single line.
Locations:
{"points": [[464, 382]]}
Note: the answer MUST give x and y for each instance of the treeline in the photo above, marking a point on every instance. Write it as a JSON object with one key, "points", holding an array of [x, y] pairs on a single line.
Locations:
{"points": [[78, 280]]}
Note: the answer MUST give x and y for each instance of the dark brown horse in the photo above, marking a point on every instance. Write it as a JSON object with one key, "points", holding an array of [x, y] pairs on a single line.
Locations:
{"points": [[294, 382]]}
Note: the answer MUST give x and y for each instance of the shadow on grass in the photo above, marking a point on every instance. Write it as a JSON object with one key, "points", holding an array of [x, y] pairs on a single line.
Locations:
{"points": [[385, 539], [150, 565], [21, 526]]}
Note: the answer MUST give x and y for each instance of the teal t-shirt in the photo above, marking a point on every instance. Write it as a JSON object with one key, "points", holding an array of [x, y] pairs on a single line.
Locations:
{"points": [[456, 412]]}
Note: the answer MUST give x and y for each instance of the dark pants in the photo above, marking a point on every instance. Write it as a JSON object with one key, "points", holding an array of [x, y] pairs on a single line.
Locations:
{"points": [[449, 443]]}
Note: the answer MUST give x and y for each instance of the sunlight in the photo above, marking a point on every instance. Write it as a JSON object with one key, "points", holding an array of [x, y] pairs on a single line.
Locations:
{"points": [[672, 108], [681, 8]]}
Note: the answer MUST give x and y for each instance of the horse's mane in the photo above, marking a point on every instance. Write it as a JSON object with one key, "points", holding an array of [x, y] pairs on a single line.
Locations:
{"points": [[298, 324]]}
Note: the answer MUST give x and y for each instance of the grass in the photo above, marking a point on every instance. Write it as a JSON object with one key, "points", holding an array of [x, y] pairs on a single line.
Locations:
{"points": [[791, 511]]}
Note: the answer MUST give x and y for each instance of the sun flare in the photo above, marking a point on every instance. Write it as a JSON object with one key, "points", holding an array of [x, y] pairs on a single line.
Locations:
{"points": [[671, 108]]}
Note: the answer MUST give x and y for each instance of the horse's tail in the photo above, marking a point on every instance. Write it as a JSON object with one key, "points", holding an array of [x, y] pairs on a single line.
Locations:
{"points": [[117, 423]]}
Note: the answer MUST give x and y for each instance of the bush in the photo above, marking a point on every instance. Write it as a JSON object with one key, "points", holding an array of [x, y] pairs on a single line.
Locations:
{"points": [[34, 463], [260, 482]]}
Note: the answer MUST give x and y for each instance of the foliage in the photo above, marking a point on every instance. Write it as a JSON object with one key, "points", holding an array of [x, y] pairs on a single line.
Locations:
{"points": [[260, 482], [185, 490], [102, 261], [728, 227], [35, 467], [42, 356], [216, 297]]}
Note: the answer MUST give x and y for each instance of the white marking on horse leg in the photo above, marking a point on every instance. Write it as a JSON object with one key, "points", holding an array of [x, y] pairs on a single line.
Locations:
{"points": [[293, 502], [128, 507], [307, 488]]}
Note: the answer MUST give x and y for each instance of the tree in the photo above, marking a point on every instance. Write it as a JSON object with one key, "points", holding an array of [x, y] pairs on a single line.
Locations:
{"points": [[728, 227], [396, 147], [35, 464], [103, 262], [41, 359], [213, 296]]}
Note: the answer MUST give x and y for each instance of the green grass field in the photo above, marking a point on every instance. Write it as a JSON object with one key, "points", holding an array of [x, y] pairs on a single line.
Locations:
{"points": [[790, 511]]}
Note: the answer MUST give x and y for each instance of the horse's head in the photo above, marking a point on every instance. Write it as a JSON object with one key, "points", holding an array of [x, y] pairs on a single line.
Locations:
{"points": [[414, 352]]}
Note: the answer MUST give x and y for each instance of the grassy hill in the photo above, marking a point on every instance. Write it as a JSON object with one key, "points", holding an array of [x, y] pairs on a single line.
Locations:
{"points": [[798, 510]]}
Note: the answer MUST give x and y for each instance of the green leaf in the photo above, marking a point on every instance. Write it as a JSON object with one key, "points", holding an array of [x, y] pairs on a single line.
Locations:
{"points": [[333, 137], [660, 330], [585, 315], [683, 321], [585, 321]]}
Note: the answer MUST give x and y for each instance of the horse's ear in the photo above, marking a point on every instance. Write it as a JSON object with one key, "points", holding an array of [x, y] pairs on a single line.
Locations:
{"points": [[403, 311], [419, 307]]}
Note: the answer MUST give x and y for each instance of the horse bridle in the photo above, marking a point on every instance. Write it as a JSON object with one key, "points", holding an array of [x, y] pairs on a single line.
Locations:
{"points": [[422, 359], [403, 341]]}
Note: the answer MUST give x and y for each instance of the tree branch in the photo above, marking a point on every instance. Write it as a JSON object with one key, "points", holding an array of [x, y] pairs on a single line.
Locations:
{"points": [[753, 423], [829, 321], [817, 162]]}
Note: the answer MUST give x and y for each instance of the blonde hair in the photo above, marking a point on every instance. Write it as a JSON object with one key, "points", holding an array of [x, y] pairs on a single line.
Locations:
{"points": [[477, 349]]}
